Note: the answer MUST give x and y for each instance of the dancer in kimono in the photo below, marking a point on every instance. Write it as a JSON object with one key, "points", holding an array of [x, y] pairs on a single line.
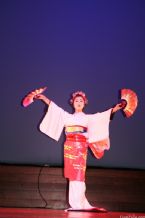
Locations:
{"points": [[82, 131]]}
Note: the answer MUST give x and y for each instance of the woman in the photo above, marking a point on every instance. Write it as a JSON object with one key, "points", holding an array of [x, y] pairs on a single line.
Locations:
{"points": [[82, 131]]}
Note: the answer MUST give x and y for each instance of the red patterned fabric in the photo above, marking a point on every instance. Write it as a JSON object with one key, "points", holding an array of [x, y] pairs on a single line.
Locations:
{"points": [[98, 148], [75, 155]]}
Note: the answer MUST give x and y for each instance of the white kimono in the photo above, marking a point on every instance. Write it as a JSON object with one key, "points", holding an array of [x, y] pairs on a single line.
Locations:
{"points": [[56, 119], [97, 133]]}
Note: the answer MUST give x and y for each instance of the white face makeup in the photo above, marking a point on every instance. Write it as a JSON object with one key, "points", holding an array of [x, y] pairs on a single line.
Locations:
{"points": [[78, 104]]}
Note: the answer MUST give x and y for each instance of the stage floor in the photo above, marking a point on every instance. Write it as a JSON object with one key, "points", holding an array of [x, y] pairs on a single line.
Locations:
{"points": [[48, 213]]}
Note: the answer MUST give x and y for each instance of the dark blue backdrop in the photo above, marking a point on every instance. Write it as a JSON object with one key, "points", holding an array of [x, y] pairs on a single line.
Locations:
{"points": [[97, 46]]}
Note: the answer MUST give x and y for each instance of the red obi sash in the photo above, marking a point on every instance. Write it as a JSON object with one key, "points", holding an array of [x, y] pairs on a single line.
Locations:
{"points": [[75, 138]]}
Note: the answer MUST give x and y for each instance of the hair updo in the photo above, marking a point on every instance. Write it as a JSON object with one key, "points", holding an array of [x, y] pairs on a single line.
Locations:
{"points": [[81, 94]]}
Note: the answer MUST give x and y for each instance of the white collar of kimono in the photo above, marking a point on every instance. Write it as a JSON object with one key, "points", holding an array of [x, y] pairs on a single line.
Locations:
{"points": [[78, 113]]}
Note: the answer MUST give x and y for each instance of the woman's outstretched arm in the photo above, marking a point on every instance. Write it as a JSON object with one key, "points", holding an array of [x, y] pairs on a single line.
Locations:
{"points": [[43, 98], [118, 107]]}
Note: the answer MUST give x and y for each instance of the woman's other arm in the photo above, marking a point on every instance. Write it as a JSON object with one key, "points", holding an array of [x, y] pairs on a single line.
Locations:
{"points": [[43, 98]]}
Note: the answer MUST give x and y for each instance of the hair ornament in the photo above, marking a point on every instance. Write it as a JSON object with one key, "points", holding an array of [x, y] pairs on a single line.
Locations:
{"points": [[79, 93]]}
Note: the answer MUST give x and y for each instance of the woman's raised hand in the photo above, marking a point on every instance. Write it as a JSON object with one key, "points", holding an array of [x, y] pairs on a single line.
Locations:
{"points": [[43, 98]]}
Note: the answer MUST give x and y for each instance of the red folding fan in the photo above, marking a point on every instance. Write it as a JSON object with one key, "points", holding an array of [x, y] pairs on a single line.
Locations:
{"points": [[130, 97], [30, 97]]}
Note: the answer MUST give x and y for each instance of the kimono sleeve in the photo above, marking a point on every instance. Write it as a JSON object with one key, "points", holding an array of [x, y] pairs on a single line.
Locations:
{"points": [[98, 133], [53, 121], [98, 126]]}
